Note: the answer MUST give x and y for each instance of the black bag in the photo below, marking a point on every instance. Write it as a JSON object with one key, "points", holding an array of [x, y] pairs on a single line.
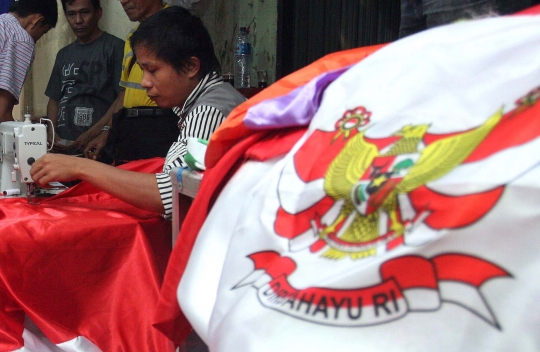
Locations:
{"points": [[142, 137]]}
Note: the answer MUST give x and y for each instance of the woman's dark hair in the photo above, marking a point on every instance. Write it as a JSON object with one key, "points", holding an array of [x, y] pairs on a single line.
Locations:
{"points": [[47, 8], [174, 35]]}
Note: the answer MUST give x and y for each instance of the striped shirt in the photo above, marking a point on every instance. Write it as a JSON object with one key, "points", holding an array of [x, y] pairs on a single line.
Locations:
{"points": [[196, 120], [17, 52]]}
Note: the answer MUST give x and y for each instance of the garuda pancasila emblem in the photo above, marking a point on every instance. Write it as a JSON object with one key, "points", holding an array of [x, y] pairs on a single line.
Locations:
{"points": [[365, 178]]}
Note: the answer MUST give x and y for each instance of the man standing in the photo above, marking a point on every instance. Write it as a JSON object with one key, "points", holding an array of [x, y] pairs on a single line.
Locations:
{"points": [[20, 29], [147, 130], [84, 79]]}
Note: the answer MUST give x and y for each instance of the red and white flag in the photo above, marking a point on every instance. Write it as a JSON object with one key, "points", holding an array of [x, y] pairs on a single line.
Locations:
{"points": [[393, 205], [81, 272]]}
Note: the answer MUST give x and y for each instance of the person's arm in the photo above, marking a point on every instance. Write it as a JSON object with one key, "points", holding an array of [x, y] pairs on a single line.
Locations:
{"points": [[7, 101], [200, 123], [94, 138], [136, 188], [16, 60]]}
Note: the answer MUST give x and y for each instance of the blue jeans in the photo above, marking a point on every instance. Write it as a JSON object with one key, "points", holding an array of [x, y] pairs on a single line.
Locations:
{"points": [[417, 15]]}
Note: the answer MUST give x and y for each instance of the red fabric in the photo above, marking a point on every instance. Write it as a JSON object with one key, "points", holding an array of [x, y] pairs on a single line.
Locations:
{"points": [[83, 263], [535, 10]]}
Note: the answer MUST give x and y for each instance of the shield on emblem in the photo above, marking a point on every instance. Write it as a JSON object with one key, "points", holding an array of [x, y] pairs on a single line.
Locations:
{"points": [[380, 179]]}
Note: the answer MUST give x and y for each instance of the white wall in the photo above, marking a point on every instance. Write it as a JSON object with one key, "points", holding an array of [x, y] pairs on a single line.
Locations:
{"points": [[223, 18], [114, 19]]}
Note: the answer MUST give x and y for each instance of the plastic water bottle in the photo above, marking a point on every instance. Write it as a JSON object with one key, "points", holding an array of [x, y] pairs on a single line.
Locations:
{"points": [[242, 60], [27, 114]]}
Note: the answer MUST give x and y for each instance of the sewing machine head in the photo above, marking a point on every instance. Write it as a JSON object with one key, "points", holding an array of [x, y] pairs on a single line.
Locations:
{"points": [[22, 144]]}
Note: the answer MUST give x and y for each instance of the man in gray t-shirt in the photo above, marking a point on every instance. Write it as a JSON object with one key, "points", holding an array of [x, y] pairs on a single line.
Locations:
{"points": [[85, 76]]}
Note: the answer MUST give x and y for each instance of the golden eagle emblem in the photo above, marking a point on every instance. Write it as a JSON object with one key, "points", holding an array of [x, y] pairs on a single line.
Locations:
{"points": [[368, 181]]}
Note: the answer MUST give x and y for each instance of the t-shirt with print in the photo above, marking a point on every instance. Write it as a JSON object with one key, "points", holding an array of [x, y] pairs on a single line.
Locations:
{"points": [[84, 81]]}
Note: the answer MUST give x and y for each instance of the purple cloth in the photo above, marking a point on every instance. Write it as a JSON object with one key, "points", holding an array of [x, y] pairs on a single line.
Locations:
{"points": [[294, 109]]}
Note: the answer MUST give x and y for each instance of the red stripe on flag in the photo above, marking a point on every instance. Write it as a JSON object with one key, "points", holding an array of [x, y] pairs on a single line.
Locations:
{"points": [[463, 268], [277, 143], [291, 225], [273, 264], [517, 127], [453, 211], [410, 272]]}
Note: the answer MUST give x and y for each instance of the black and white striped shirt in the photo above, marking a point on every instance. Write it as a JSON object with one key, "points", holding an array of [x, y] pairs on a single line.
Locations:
{"points": [[198, 120]]}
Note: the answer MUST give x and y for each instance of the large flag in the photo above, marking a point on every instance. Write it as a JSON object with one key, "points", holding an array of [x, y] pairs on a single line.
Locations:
{"points": [[391, 205], [81, 272]]}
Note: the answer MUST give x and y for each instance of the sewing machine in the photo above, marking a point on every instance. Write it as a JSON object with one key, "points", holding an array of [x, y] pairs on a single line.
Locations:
{"points": [[22, 144]]}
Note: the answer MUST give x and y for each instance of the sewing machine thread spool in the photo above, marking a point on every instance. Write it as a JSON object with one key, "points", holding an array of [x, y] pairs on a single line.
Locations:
{"points": [[12, 192]]}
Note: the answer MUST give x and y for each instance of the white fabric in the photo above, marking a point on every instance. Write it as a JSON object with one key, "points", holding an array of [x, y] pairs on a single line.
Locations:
{"points": [[36, 341], [452, 78]]}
